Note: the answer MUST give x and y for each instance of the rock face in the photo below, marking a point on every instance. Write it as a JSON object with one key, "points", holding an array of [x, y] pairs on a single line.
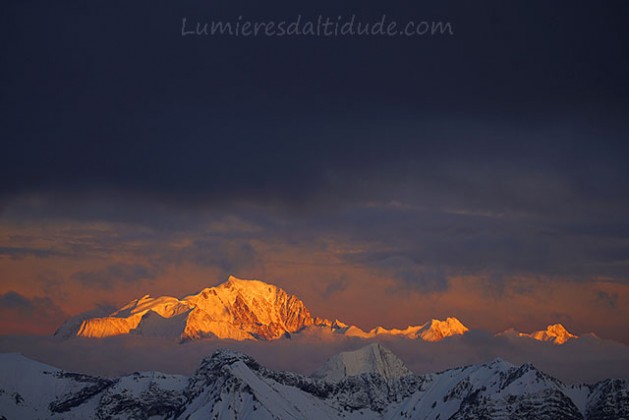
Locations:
{"points": [[237, 309], [32, 390], [373, 358], [253, 310], [555, 334], [244, 309], [375, 385], [433, 330], [436, 330]]}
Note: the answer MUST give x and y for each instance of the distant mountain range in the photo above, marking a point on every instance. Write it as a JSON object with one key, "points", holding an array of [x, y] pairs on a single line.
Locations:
{"points": [[252, 310], [369, 383]]}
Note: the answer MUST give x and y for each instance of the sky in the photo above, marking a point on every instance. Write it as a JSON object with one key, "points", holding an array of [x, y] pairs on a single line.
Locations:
{"points": [[384, 180]]}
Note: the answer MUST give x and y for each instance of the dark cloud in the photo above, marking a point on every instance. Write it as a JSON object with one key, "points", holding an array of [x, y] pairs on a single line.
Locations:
{"points": [[21, 315], [335, 286], [115, 275], [425, 246], [584, 361], [28, 307], [15, 301], [21, 252], [498, 152], [229, 256], [608, 299], [228, 252], [413, 275], [271, 123]]}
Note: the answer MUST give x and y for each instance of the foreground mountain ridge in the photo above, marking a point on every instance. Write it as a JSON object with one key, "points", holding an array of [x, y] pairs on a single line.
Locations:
{"points": [[373, 358], [233, 385], [251, 310]]}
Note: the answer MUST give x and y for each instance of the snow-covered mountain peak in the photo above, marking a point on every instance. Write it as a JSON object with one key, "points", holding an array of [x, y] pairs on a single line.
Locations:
{"points": [[225, 357], [240, 309], [555, 333], [373, 358], [232, 385], [248, 286], [245, 309], [436, 330], [499, 362], [17, 361], [236, 309], [433, 330], [166, 306]]}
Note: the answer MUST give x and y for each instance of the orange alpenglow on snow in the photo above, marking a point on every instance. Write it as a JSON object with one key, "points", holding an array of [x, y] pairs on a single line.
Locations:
{"points": [[237, 310], [555, 333], [433, 330]]}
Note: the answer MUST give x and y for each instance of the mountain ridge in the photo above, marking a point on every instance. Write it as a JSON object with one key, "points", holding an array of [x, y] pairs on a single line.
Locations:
{"points": [[373, 358], [233, 385], [555, 333], [239, 309]]}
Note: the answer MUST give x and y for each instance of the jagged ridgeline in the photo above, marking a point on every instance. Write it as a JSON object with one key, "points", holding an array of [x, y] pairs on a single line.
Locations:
{"points": [[251, 310], [369, 383]]}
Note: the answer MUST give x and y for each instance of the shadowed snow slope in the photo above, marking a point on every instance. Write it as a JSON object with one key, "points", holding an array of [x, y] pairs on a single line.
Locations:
{"points": [[370, 359], [374, 385]]}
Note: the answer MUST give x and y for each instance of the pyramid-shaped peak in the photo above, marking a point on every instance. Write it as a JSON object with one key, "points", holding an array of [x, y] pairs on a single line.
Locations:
{"points": [[557, 329], [555, 333], [224, 357], [256, 286], [250, 289], [234, 279], [499, 363], [373, 358], [435, 330], [245, 309], [450, 322], [374, 347]]}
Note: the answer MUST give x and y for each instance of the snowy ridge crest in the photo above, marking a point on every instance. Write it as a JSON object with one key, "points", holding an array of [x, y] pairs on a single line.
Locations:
{"points": [[233, 385], [237, 310], [555, 334], [254, 310], [373, 358]]}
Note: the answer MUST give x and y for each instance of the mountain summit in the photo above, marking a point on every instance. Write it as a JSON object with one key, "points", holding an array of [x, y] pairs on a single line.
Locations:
{"points": [[236, 309], [555, 333], [369, 359], [433, 330], [373, 384]]}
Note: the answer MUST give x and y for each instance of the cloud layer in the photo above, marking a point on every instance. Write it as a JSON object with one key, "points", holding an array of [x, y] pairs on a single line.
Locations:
{"points": [[381, 180], [23, 315], [583, 361]]}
